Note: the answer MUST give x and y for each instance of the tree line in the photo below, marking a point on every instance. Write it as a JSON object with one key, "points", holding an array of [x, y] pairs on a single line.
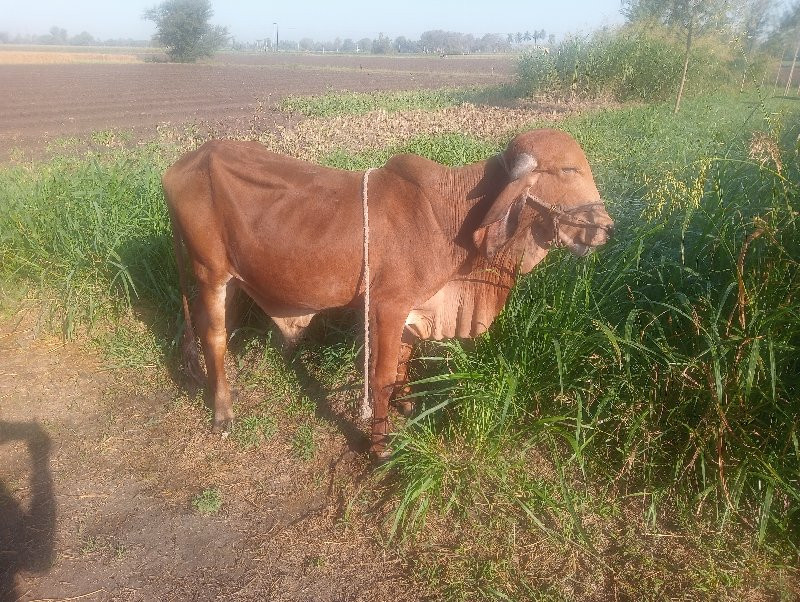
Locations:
{"points": [[58, 36], [184, 30], [433, 41]]}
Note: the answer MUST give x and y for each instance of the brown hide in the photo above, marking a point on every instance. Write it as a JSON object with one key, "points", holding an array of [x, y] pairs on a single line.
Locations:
{"points": [[445, 244]]}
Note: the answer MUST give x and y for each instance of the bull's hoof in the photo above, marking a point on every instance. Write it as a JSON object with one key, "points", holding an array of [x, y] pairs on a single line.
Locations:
{"points": [[222, 426], [405, 407], [380, 457]]}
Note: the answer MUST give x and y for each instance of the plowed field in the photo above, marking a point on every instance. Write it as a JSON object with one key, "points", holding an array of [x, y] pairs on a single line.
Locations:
{"points": [[42, 103]]}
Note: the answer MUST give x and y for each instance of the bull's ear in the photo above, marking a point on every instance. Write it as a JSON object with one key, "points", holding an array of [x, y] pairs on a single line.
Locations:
{"points": [[502, 219]]}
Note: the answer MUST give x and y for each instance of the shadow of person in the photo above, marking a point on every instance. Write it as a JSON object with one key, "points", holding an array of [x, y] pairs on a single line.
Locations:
{"points": [[27, 536]]}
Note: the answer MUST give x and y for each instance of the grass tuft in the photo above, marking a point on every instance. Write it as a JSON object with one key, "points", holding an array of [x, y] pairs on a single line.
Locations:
{"points": [[208, 501]]}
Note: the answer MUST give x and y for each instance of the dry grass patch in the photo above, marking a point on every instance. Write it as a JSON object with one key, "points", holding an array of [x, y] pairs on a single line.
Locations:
{"points": [[316, 137], [35, 57]]}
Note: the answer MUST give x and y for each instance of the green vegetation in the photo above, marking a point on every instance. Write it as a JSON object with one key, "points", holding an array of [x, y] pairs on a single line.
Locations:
{"points": [[351, 103], [634, 64], [208, 501], [665, 366], [92, 232], [251, 431], [303, 444], [634, 412], [184, 29]]}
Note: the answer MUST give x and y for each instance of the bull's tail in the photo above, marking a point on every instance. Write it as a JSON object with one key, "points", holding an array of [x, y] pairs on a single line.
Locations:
{"points": [[190, 357]]}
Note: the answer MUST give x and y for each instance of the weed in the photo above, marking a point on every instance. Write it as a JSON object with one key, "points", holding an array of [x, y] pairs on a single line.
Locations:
{"points": [[208, 501], [251, 431], [90, 545], [303, 444]]}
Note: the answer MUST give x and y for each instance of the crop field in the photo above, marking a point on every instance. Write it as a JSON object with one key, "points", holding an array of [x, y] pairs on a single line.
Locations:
{"points": [[51, 101], [626, 430]]}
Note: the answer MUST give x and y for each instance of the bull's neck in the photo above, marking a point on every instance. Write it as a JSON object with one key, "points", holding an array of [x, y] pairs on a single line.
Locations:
{"points": [[464, 198]]}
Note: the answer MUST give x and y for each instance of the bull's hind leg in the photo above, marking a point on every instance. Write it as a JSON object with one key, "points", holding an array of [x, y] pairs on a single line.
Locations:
{"points": [[402, 389], [215, 299]]}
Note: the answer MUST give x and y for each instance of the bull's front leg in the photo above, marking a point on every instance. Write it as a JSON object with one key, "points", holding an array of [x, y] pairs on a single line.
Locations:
{"points": [[386, 332]]}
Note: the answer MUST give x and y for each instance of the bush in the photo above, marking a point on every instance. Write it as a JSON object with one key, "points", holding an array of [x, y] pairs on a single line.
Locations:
{"points": [[627, 64], [665, 366]]}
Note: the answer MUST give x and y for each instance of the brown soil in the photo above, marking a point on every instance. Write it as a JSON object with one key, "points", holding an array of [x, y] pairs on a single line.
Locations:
{"points": [[40, 104], [99, 471]]}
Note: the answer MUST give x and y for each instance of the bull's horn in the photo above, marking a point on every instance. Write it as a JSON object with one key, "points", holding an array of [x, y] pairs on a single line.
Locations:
{"points": [[523, 165]]}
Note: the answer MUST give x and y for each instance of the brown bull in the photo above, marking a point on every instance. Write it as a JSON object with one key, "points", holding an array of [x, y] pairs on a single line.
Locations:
{"points": [[445, 244]]}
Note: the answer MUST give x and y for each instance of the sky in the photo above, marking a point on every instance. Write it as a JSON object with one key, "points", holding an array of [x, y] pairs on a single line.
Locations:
{"points": [[321, 20]]}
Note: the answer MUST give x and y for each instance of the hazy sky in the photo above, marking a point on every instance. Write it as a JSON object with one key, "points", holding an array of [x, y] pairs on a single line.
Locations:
{"points": [[321, 20]]}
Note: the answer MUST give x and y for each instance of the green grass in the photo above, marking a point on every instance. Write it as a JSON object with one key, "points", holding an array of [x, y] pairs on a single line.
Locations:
{"points": [[303, 444], [641, 368], [208, 501], [251, 431], [354, 103], [634, 64], [92, 232]]}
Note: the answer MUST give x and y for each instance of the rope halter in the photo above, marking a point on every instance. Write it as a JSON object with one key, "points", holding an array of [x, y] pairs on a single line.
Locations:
{"points": [[557, 213]]}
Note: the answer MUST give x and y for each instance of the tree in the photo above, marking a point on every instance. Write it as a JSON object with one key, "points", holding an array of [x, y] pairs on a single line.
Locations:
{"points": [[692, 17], [752, 20], [383, 45], [184, 29], [406, 46], [493, 42], [82, 39], [787, 33], [57, 35]]}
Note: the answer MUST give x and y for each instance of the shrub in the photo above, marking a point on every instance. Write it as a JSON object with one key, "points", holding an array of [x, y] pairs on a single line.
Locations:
{"points": [[641, 64]]}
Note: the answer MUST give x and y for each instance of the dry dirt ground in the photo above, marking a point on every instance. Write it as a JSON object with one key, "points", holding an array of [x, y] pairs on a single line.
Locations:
{"points": [[40, 104], [98, 475]]}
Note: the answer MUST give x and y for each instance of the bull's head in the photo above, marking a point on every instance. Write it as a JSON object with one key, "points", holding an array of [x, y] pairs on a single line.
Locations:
{"points": [[550, 200]]}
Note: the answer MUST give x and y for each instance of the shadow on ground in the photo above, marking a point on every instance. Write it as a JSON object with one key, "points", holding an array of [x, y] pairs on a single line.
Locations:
{"points": [[27, 529]]}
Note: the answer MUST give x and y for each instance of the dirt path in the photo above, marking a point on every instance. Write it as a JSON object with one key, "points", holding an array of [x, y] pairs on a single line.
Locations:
{"points": [[97, 477]]}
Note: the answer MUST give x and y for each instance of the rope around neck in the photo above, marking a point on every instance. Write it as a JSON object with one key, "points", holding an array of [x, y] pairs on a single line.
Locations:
{"points": [[365, 404]]}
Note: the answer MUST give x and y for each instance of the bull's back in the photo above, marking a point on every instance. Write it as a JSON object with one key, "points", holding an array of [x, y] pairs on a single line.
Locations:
{"points": [[290, 231]]}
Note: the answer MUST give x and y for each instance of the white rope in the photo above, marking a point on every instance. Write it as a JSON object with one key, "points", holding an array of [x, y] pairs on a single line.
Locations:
{"points": [[365, 405]]}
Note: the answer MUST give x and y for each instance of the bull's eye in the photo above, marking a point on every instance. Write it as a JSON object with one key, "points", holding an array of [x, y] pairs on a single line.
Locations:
{"points": [[569, 170]]}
